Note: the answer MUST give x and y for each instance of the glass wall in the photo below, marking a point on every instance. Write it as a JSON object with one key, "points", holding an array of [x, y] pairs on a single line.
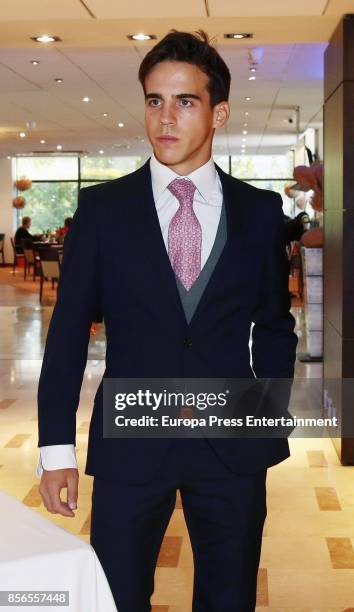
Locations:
{"points": [[271, 172], [56, 182]]}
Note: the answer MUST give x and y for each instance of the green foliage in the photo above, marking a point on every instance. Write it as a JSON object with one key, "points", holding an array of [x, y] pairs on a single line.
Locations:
{"points": [[49, 203]]}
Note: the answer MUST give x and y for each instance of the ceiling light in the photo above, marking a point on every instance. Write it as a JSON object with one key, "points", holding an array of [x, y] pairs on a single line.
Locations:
{"points": [[35, 62], [244, 132], [238, 35], [23, 134], [59, 147], [253, 69], [245, 124], [247, 98], [42, 141], [252, 78], [9, 157], [58, 80], [244, 139], [120, 124], [45, 38], [86, 99], [101, 151], [242, 152], [141, 36], [105, 114]]}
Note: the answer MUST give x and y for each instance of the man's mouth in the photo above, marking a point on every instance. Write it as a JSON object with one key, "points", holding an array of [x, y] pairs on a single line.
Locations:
{"points": [[167, 139]]}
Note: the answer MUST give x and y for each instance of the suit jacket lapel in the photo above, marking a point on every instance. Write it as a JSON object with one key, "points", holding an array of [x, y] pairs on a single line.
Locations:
{"points": [[235, 224], [153, 247]]}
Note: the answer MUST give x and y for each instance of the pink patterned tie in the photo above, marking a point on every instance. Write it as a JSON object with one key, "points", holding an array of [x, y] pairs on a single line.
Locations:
{"points": [[184, 234]]}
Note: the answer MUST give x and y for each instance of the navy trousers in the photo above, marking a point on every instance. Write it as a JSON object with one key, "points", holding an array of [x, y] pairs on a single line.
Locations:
{"points": [[224, 513]]}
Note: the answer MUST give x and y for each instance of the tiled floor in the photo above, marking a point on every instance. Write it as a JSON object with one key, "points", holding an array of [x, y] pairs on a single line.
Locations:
{"points": [[307, 562]]}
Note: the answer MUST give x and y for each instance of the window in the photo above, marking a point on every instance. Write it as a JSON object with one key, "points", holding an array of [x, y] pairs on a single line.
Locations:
{"points": [[56, 181], [271, 172]]}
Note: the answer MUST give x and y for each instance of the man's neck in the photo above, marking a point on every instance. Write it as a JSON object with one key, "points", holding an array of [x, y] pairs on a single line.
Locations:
{"points": [[187, 167]]}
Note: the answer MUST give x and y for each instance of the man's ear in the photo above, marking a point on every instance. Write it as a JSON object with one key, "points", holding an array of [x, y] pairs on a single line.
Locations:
{"points": [[221, 113]]}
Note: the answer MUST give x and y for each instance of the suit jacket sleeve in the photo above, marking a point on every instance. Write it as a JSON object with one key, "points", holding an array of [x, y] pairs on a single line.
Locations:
{"points": [[273, 338], [66, 347]]}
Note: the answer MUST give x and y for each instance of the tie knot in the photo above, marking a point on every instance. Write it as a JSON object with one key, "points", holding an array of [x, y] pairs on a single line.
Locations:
{"points": [[183, 190]]}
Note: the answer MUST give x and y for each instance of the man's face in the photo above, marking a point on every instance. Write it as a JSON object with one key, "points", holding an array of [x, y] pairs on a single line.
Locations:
{"points": [[179, 119]]}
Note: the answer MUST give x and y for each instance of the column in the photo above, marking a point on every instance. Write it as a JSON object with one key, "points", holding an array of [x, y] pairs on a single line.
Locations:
{"points": [[339, 222]]}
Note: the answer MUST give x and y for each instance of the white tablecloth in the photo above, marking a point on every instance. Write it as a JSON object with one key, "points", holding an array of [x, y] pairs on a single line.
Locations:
{"points": [[36, 555]]}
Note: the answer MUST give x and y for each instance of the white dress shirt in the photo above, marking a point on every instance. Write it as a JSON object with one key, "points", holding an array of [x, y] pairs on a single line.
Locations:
{"points": [[207, 203]]}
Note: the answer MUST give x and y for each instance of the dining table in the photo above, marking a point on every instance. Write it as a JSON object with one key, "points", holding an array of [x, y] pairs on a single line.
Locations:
{"points": [[43, 565]]}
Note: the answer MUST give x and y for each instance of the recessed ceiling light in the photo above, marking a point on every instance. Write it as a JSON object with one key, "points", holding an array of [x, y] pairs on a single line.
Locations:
{"points": [[247, 98], [245, 124], [120, 124], [42, 141], [45, 38], [246, 113], [9, 157], [59, 147], [105, 114], [35, 62], [23, 134], [101, 151], [58, 80], [242, 152], [244, 132], [253, 69], [252, 78], [244, 139], [141, 36], [239, 35], [86, 99]]}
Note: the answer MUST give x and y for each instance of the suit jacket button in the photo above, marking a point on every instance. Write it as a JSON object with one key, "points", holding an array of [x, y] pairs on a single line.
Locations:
{"points": [[188, 342]]}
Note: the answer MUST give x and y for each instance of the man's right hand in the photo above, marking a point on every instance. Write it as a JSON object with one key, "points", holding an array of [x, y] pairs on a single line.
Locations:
{"points": [[52, 482]]}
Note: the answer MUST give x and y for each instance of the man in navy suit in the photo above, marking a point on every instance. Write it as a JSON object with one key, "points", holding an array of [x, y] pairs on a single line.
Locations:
{"points": [[181, 259]]}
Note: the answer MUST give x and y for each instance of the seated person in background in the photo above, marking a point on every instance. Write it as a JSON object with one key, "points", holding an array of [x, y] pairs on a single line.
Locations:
{"points": [[67, 223], [22, 233], [62, 231]]}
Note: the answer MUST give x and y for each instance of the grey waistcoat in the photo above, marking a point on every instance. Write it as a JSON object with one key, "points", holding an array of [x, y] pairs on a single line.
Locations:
{"points": [[190, 299]]}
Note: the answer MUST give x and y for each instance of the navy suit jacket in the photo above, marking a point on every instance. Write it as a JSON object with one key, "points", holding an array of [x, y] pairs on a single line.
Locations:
{"points": [[115, 262]]}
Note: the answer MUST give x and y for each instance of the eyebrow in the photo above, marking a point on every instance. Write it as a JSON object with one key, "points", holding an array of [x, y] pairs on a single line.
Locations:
{"points": [[177, 96]]}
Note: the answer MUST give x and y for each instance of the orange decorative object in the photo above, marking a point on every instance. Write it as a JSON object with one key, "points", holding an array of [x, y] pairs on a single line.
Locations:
{"points": [[23, 183], [19, 202], [310, 177], [290, 192]]}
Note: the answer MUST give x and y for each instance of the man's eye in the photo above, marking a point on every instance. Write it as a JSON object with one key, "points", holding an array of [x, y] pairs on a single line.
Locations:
{"points": [[154, 102], [185, 102]]}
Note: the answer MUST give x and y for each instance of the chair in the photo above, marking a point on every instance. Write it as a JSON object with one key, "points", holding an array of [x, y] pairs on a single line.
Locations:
{"points": [[49, 268], [2, 242], [17, 256], [31, 259]]}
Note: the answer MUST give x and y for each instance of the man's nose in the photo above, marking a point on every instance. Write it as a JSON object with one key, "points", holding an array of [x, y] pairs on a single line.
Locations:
{"points": [[167, 116]]}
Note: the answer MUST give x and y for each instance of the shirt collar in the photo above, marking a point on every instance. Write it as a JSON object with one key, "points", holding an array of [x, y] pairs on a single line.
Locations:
{"points": [[205, 178]]}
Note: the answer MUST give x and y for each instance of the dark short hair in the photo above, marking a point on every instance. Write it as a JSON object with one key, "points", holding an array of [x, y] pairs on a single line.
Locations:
{"points": [[194, 49], [68, 221]]}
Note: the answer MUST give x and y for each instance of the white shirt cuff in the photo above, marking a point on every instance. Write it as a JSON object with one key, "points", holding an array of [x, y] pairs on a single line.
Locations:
{"points": [[56, 457]]}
